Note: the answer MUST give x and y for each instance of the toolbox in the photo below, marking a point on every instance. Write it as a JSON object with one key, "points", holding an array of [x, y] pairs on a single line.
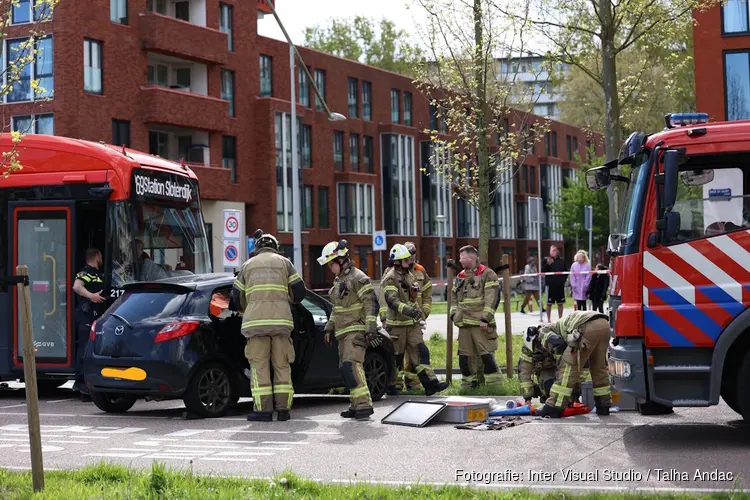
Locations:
{"points": [[462, 412]]}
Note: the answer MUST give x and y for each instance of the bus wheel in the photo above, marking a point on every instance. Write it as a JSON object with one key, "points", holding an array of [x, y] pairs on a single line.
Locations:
{"points": [[742, 385]]}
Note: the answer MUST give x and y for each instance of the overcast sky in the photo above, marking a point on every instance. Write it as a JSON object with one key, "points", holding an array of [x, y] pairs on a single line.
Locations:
{"points": [[299, 14]]}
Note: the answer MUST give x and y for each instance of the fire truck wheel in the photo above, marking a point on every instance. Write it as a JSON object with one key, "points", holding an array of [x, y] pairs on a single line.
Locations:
{"points": [[729, 393], [651, 408], [743, 383]]}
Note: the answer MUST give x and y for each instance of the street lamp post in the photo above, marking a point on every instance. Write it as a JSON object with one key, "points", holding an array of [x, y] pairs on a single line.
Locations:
{"points": [[296, 209], [441, 251]]}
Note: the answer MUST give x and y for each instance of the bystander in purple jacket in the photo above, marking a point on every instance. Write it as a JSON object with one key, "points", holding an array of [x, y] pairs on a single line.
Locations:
{"points": [[580, 282]]}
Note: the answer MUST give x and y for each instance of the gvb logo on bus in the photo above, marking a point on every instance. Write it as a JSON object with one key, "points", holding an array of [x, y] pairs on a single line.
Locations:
{"points": [[148, 186]]}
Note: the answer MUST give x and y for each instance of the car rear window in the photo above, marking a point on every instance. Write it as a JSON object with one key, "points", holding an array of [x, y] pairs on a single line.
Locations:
{"points": [[147, 306]]}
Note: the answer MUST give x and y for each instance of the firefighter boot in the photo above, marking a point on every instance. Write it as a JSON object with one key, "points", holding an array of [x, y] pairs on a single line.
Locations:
{"points": [[394, 388], [363, 414], [283, 415], [549, 411], [260, 416], [350, 413], [601, 408], [431, 384]]}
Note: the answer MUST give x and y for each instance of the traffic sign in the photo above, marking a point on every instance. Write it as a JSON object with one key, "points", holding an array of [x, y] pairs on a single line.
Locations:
{"points": [[250, 245], [588, 217], [378, 241], [231, 254], [232, 224]]}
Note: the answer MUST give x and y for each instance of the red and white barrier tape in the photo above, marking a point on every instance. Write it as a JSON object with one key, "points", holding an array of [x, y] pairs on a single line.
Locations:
{"points": [[558, 273]]}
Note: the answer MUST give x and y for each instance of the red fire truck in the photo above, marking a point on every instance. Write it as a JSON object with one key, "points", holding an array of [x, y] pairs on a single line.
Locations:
{"points": [[141, 211], [680, 287]]}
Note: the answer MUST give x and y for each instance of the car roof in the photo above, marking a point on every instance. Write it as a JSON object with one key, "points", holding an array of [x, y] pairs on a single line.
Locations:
{"points": [[192, 281]]}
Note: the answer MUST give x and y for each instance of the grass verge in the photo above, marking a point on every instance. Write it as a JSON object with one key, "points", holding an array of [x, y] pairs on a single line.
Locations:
{"points": [[117, 482]]}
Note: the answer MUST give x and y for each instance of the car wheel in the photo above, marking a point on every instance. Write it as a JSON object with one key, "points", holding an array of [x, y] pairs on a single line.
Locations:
{"points": [[376, 372], [210, 392], [112, 403]]}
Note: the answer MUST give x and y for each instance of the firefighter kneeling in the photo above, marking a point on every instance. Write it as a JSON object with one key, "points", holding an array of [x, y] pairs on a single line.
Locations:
{"points": [[577, 338], [536, 367], [354, 323], [403, 316]]}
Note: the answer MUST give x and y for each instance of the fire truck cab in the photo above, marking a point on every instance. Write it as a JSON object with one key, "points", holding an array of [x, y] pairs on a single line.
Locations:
{"points": [[680, 266]]}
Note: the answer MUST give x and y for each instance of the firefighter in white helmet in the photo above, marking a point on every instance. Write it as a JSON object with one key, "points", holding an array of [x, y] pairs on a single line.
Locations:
{"points": [[353, 322], [401, 292]]}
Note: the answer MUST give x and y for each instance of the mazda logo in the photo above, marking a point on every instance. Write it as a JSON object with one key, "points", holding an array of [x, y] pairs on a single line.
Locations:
{"points": [[119, 330]]}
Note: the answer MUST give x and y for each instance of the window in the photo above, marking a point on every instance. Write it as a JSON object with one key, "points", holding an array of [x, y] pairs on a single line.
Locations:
{"points": [[22, 11], [433, 117], [554, 144], [266, 76], [356, 208], [443, 122], [395, 106], [304, 89], [283, 144], [737, 77], [525, 178], [158, 6], [182, 11], [229, 155], [320, 82], [436, 192], [308, 206], [588, 151], [368, 160], [575, 147], [502, 204], [354, 151], [34, 124], [226, 23], [118, 11], [532, 179], [121, 133], [227, 88], [407, 109], [92, 66], [353, 97], [338, 150], [306, 146], [323, 222], [522, 220], [547, 145], [40, 68], [567, 175], [467, 219], [735, 16], [366, 101], [569, 147], [399, 191]]}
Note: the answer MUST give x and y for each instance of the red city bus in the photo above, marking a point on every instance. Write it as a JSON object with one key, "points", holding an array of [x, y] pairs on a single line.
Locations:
{"points": [[141, 211]]}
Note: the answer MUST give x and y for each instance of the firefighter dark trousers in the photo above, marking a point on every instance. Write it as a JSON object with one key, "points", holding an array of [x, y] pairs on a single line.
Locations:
{"points": [[407, 340], [352, 347], [265, 353], [473, 342], [594, 343]]}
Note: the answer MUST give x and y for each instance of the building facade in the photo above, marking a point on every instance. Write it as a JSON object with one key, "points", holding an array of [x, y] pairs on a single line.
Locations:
{"points": [[535, 82], [722, 61], [183, 81]]}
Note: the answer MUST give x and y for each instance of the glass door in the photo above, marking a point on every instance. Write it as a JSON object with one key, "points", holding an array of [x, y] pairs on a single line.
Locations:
{"points": [[42, 241]]}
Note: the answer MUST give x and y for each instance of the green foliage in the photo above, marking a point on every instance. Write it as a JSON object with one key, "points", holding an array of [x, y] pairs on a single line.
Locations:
{"points": [[570, 207], [359, 39]]}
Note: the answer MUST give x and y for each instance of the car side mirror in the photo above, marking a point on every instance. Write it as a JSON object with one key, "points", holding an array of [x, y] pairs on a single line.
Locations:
{"points": [[672, 226]]}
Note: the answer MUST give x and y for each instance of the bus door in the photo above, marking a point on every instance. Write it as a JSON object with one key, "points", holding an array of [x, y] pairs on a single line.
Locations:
{"points": [[42, 239]]}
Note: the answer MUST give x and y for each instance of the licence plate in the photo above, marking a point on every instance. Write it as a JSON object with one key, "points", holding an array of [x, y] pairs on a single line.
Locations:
{"points": [[131, 373]]}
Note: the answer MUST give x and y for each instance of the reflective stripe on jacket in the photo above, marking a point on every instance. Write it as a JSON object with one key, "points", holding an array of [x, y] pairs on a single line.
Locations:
{"points": [[265, 285], [355, 306], [398, 286], [474, 295], [425, 290]]}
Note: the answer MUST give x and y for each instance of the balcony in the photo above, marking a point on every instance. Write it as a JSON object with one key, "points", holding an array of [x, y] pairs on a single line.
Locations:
{"points": [[183, 109], [167, 35]]}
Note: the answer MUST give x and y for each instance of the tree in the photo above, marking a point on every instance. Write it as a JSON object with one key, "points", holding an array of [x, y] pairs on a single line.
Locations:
{"points": [[356, 39], [591, 34], [17, 77], [483, 126], [570, 207]]}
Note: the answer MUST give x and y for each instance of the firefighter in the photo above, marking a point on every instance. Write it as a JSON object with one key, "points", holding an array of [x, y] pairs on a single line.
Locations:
{"points": [[263, 289], [88, 284], [424, 301], [580, 337], [403, 316], [353, 322], [475, 296], [536, 367]]}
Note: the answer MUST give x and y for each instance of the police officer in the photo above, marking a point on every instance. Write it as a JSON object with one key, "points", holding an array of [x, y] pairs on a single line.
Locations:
{"points": [[262, 291], [580, 337], [536, 366], [475, 298], [424, 301], [89, 285], [353, 322], [401, 292]]}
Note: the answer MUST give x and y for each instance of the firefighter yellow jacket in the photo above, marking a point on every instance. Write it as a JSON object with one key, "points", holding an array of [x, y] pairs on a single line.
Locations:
{"points": [[355, 305], [425, 290], [530, 365], [400, 292], [474, 297], [266, 285], [381, 298], [567, 324]]}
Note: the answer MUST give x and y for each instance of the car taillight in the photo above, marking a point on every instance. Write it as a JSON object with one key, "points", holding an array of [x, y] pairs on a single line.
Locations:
{"points": [[176, 330], [92, 334]]}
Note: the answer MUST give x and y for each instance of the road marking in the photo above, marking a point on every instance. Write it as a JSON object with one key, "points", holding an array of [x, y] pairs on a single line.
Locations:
{"points": [[233, 453], [7, 445], [232, 447], [146, 443], [115, 455], [318, 433], [255, 432], [227, 441], [155, 439], [22, 467], [44, 414], [285, 442], [21, 440], [60, 400], [206, 446], [13, 406], [229, 459], [117, 430], [186, 432], [27, 449], [167, 457], [69, 442], [26, 436]]}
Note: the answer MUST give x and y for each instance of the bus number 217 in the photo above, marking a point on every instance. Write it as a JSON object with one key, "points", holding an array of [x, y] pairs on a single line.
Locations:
{"points": [[116, 292]]}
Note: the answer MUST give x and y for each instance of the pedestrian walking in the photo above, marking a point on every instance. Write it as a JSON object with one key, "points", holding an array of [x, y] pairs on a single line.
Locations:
{"points": [[530, 286], [556, 284]]}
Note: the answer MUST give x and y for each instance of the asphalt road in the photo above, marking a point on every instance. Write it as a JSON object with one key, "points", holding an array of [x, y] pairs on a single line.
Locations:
{"points": [[625, 451]]}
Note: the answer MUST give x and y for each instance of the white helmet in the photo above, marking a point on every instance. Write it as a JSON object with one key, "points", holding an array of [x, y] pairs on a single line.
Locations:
{"points": [[528, 339], [399, 252], [331, 251]]}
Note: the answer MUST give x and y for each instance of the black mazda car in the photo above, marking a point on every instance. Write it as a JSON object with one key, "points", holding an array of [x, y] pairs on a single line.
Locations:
{"points": [[168, 339]]}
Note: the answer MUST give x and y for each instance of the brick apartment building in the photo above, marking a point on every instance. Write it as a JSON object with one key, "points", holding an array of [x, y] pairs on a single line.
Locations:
{"points": [[722, 61], [180, 79]]}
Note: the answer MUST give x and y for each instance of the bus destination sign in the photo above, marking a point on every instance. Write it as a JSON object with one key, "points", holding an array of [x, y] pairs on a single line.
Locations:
{"points": [[162, 185]]}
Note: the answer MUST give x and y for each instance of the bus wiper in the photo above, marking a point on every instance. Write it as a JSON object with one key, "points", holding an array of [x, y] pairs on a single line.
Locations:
{"points": [[121, 319]]}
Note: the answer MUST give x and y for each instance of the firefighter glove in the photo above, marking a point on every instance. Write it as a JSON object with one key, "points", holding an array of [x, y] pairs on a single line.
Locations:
{"points": [[413, 312], [573, 338]]}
